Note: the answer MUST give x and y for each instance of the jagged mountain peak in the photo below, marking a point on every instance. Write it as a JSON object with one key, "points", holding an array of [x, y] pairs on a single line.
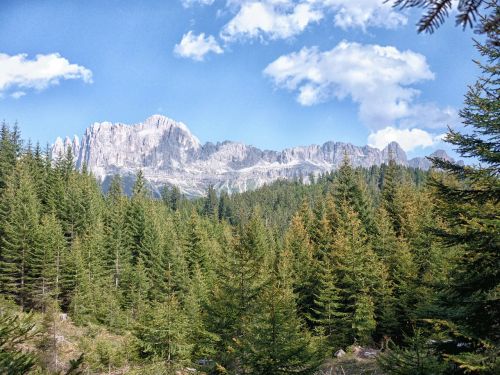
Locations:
{"points": [[441, 154], [154, 126], [169, 154], [425, 163], [394, 150]]}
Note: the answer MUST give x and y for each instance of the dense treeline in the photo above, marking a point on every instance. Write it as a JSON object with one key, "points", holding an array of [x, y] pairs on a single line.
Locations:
{"points": [[266, 282], [239, 287]]}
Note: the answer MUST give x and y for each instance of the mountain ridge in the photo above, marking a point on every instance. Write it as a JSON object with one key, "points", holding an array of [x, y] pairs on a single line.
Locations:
{"points": [[169, 154]]}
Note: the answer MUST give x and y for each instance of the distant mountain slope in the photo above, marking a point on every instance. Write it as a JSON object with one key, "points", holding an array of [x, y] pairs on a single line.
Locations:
{"points": [[167, 153]]}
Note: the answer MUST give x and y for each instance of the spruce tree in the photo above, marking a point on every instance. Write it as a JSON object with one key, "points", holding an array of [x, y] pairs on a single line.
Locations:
{"points": [[196, 241], [19, 227], [135, 218], [8, 154], [305, 265], [350, 188], [279, 342], [195, 305], [392, 179], [117, 257], [210, 206], [14, 332], [359, 277], [46, 262], [151, 252], [162, 331], [329, 311], [241, 277], [467, 199], [395, 254]]}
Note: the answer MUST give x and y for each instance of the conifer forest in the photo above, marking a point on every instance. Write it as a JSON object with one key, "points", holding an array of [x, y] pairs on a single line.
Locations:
{"points": [[398, 263]]}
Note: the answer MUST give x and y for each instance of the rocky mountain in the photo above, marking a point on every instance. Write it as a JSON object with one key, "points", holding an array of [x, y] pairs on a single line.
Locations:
{"points": [[167, 153]]}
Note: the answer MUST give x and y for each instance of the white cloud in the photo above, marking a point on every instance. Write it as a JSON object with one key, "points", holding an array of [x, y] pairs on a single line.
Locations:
{"points": [[363, 13], [379, 79], [45, 70], [408, 139], [281, 19], [17, 94], [190, 3], [197, 46], [275, 19], [431, 116]]}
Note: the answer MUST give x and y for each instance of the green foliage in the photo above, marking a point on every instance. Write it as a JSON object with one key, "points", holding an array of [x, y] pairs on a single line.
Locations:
{"points": [[417, 357], [234, 305], [467, 201], [279, 342], [19, 228], [162, 332], [438, 10], [14, 332], [216, 284]]}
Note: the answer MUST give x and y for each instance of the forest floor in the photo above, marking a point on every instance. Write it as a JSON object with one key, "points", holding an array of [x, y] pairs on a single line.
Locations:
{"points": [[357, 361], [109, 353]]}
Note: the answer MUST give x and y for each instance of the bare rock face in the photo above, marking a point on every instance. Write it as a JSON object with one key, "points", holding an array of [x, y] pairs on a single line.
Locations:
{"points": [[425, 163], [168, 154]]}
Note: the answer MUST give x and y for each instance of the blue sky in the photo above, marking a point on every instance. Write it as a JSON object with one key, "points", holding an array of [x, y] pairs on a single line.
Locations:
{"points": [[271, 73]]}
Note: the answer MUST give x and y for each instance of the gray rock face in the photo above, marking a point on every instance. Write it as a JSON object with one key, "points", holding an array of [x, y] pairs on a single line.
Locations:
{"points": [[425, 163], [167, 153]]}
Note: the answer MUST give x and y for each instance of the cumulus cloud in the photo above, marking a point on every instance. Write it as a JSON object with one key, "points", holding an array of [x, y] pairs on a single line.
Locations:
{"points": [[281, 19], [190, 3], [197, 46], [379, 79], [17, 94], [275, 19], [408, 139], [431, 115], [19, 72], [363, 13]]}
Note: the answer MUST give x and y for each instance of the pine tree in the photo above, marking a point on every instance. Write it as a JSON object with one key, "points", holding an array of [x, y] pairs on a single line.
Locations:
{"points": [[467, 200], [322, 235], [436, 12], [162, 331], [210, 207], [8, 154], [19, 228], [135, 218], [225, 209], [394, 252], [175, 256], [172, 197], [195, 305], [151, 253], [329, 311], [358, 270], [418, 357], [279, 341], [117, 257], [233, 307], [47, 343], [135, 294], [93, 297], [350, 188], [14, 332], [305, 265], [363, 319], [46, 261], [197, 250], [391, 181]]}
